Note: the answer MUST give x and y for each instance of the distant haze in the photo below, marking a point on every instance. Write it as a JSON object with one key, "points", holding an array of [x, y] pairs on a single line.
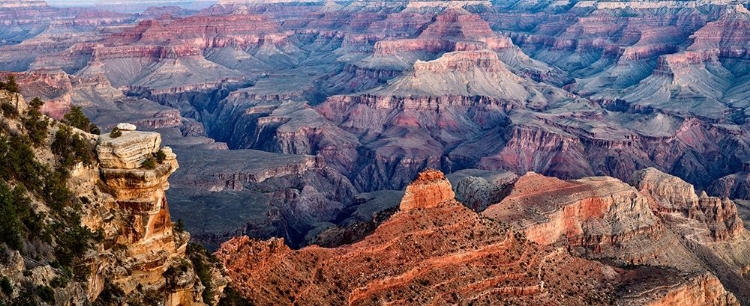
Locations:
{"points": [[129, 3]]}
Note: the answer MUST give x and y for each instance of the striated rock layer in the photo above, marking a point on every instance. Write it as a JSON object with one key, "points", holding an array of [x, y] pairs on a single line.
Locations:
{"points": [[143, 227], [435, 250], [591, 212], [127, 248]]}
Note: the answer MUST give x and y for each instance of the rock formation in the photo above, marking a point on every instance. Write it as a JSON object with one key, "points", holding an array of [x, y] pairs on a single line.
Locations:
{"points": [[140, 193], [434, 250], [351, 101], [430, 188], [675, 195], [598, 88], [733, 186], [595, 212], [115, 207]]}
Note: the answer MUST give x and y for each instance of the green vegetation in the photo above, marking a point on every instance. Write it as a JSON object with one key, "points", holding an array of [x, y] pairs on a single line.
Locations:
{"points": [[10, 85], [154, 160], [179, 226], [18, 162], [115, 133], [19, 221], [20, 166], [149, 163], [71, 149], [77, 119], [59, 282], [8, 110], [160, 156], [35, 123], [6, 286], [203, 261], [23, 178], [46, 294], [73, 240]]}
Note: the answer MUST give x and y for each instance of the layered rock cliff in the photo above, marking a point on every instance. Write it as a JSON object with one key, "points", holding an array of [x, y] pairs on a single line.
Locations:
{"points": [[434, 250], [117, 226], [675, 195], [595, 212]]}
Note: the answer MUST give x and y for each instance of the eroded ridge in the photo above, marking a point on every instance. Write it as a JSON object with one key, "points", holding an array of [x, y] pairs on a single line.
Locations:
{"points": [[435, 251]]}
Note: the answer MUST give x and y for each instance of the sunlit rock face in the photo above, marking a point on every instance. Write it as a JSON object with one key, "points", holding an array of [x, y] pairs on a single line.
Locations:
{"points": [[434, 250], [139, 191], [597, 212], [128, 151], [429, 189]]}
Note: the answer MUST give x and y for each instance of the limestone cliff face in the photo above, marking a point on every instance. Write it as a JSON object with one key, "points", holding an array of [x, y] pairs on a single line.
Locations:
{"points": [[146, 233], [673, 195], [593, 212]]}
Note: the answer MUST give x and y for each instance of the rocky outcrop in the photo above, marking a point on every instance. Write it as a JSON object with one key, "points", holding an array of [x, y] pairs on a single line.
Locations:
{"points": [[434, 250], [429, 189], [657, 221], [477, 193], [415, 248], [151, 245], [128, 151], [675, 195], [596, 213]]}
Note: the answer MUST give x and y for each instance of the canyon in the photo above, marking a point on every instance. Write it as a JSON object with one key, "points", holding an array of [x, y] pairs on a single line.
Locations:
{"points": [[595, 131]]}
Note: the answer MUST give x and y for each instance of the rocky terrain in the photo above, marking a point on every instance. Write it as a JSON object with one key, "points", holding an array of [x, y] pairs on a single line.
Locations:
{"points": [[307, 120], [547, 242], [104, 233]]}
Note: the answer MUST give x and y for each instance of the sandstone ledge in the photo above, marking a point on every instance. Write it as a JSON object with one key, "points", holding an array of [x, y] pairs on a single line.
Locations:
{"points": [[128, 151]]}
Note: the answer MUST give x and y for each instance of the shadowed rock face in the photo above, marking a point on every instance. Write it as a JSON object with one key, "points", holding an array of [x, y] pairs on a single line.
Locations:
{"points": [[733, 186], [675, 195], [598, 88], [434, 250]]}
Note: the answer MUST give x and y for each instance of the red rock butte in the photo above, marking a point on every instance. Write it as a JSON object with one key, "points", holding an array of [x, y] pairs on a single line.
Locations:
{"points": [[429, 190]]}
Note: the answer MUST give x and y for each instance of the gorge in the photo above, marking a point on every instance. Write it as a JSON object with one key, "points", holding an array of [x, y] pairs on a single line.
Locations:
{"points": [[590, 132]]}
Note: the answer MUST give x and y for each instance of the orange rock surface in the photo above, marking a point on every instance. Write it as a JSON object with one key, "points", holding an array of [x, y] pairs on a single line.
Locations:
{"points": [[435, 251], [431, 188]]}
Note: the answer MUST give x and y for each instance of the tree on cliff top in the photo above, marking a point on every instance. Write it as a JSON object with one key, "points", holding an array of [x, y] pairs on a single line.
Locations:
{"points": [[10, 85], [77, 119], [36, 124]]}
